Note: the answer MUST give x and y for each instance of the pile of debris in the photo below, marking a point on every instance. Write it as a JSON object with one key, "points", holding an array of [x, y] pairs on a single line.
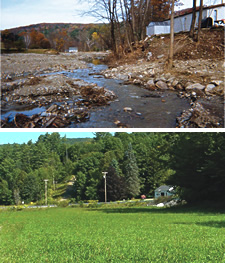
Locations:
{"points": [[54, 117], [67, 101], [96, 96], [199, 117]]}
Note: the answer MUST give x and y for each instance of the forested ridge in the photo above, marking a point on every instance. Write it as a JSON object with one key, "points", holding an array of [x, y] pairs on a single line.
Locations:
{"points": [[136, 163]]}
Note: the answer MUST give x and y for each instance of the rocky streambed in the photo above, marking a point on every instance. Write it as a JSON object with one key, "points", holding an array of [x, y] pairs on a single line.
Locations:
{"points": [[68, 91], [200, 81]]}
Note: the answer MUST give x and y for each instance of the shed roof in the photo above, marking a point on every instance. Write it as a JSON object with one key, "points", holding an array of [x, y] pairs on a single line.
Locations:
{"points": [[190, 10], [163, 188], [163, 23]]}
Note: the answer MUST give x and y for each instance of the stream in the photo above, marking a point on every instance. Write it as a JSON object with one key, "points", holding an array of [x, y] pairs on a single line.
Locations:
{"points": [[149, 109]]}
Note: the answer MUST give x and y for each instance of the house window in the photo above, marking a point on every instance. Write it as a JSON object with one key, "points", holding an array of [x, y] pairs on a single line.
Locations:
{"points": [[215, 15], [162, 194], [185, 24]]}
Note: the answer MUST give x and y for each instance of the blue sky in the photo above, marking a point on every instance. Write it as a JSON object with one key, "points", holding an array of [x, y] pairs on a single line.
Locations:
{"points": [[24, 137], [15, 13]]}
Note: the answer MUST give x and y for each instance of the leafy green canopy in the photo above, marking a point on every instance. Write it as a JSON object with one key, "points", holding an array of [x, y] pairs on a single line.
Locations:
{"points": [[137, 163]]}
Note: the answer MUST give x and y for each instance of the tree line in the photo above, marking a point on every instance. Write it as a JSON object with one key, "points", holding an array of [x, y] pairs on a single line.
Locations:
{"points": [[135, 163], [127, 22], [57, 36]]}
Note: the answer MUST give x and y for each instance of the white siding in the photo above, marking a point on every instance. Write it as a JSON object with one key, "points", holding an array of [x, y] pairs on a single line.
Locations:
{"points": [[220, 13], [183, 23], [158, 194]]}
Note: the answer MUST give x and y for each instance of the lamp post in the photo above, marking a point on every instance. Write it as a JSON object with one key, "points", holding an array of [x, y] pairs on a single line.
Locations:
{"points": [[46, 191], [104, 176]]}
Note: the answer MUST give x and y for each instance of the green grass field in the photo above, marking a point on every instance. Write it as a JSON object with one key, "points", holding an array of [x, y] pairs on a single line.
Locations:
{"points": [[112, 235]]}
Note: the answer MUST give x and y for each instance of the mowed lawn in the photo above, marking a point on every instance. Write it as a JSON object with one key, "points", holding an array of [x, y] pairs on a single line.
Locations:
{"points": [[112, 235]]}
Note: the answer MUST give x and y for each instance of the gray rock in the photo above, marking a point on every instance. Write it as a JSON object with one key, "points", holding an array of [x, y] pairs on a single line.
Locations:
{"points": [[179, 87], [161, 85], [160, 56], [209, 89], [150, 85], [216, 82], [195, 86], [174, 82], [122, 77], [151, 71], [149, 55], [137, 82], [126, 109]]}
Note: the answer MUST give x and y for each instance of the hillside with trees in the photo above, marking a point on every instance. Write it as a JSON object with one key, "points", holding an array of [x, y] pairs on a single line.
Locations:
{"points": [[58, 36], [136, 164], [123, 23]]}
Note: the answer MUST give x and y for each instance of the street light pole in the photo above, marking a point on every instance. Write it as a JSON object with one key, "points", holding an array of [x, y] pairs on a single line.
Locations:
{"points": [[104, 176], [46, 191]]}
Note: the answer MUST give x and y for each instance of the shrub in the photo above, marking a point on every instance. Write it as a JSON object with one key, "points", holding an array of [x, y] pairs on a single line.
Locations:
{"points": [[92, 203], [63, 203], [163, 199]]}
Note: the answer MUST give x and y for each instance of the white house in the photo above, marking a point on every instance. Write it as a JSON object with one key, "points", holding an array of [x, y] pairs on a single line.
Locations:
{"points": [[183, 18], [164, 190], [73, 49]]}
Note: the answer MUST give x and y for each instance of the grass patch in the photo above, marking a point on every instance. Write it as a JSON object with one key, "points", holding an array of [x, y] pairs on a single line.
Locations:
{"points": [[112, 235]]}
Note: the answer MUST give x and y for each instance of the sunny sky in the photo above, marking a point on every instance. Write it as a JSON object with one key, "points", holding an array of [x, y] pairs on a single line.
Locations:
{"points": [[15, 13], [24, 137]]}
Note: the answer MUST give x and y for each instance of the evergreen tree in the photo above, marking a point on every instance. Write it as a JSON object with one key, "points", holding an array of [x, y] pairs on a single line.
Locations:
{"points": [[115, 183], [131, 173]]}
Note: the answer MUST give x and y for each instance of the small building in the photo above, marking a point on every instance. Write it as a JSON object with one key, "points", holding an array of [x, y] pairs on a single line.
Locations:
{"points": [[73, 49], [164, 190], [183, 18], [158, 28]]}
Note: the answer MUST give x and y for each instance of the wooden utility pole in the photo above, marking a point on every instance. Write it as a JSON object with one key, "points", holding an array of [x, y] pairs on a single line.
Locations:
{"points": [[170, 61]]}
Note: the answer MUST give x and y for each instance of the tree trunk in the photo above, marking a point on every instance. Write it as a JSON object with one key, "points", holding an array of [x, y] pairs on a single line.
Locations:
{"points": [[144, 20], [199, 21], [133, 21], [125, 22], [192, 29], [170, 60]]}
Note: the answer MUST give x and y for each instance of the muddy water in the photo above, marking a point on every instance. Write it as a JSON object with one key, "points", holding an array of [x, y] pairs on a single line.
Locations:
{"points": [[149, 109]]}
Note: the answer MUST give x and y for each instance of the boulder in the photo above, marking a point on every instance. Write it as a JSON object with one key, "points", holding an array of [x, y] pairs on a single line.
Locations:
{"points": [[174, 82], [150, 85], [179, 87], [195, 86], [209, 89], [216, 82], [161, 85]]}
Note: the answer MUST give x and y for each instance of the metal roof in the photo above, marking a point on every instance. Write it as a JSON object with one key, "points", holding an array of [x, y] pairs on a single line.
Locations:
{"points": [[163, 23], [163, 188]]}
